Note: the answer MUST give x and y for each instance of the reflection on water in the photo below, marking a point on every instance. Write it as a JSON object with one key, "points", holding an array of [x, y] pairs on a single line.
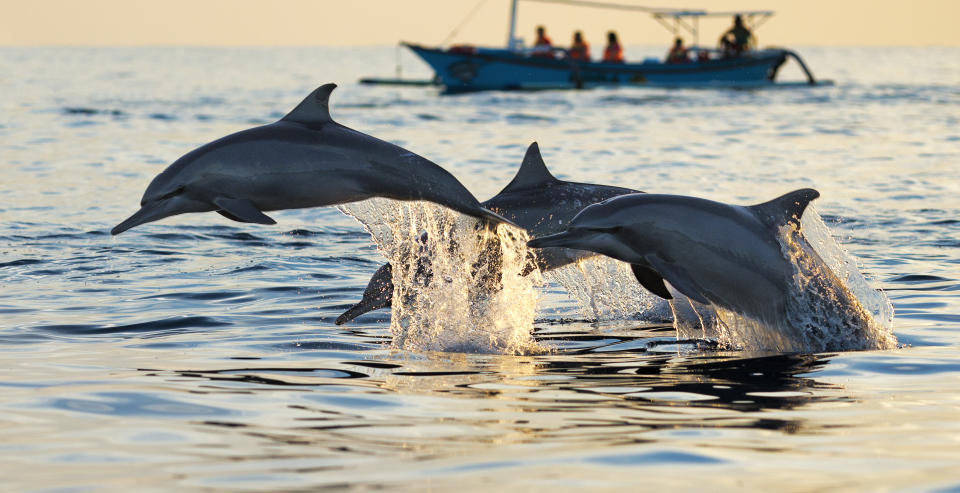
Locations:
{"points": [[202, 354], [605, 396]]}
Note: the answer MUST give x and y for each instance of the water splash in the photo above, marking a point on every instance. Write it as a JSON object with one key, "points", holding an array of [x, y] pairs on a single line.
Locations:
{"points": [[694, 320], [831, 305], [845, 266], [457, 285], [606, 289]]}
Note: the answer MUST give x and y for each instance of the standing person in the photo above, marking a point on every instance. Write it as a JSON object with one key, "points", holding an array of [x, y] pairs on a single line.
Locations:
{"points": [[613, 52], [737, 39], [677, 53], [580, 50], [542, 47]]}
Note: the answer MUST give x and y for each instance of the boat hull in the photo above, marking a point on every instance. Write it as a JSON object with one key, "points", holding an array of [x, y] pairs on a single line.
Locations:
{"points": [[494, 69]]}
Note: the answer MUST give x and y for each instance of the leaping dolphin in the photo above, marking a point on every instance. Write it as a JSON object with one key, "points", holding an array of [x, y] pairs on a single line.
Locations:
{"points": [[303, 160], [536, 201], [717, 253]]}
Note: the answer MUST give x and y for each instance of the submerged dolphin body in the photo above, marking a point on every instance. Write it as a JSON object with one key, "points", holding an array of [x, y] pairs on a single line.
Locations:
{"points": [[536, 201], [711, 252], [303, 160]]}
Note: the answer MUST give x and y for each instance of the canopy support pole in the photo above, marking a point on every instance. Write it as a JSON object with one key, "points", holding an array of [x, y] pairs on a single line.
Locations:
{"points": [[512, 39]]}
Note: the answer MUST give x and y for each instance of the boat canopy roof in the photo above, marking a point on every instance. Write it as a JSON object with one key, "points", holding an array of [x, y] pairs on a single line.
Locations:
{"points": [[704, 13], [680, 17], [659, 11]]}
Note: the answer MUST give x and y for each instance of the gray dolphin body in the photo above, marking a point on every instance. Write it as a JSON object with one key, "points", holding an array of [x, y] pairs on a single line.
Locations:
{"points": [[303, 160], [536, 201], [711, 252]]}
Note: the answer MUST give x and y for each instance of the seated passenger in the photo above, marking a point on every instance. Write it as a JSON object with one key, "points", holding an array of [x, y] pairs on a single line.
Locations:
{"points": [[737, 39], [613, 53], [542, 47], [678, 53], [580, 50]]}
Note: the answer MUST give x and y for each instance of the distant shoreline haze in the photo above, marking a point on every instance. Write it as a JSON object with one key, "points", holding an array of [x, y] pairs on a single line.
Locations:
{"points": [[251, 23]]}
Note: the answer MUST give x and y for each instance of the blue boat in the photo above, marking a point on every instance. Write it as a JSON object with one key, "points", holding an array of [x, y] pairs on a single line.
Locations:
{"points": [[467, 68]]}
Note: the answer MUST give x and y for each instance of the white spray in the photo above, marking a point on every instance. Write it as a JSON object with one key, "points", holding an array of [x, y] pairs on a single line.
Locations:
{"points": [[457, 285]]}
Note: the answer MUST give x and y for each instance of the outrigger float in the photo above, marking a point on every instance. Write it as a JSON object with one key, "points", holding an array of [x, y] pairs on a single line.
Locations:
{"points": [[464, 68]]}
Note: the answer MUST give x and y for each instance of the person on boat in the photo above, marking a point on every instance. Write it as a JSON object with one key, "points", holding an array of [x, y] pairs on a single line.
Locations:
{"points": [[613, 52], [580, 50], [737, 39], [678, 52], [542, 47]]}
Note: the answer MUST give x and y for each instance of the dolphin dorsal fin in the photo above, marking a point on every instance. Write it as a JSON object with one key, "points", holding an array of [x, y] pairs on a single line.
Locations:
{"points": [[532, 171], [786, 209], [314, 109]]}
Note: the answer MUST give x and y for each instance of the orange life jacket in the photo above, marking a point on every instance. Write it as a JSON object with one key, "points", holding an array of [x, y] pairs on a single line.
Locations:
{"points": [[542, 47], [613, 53], [580, 51]]}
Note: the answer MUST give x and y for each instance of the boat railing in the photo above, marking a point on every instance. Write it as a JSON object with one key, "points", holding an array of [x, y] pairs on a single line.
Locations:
{"points": [[696, 54], [554, 52]]}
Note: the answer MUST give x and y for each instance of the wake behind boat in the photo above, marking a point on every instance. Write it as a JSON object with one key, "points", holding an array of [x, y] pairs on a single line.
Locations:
{"points": [[464, 68]]}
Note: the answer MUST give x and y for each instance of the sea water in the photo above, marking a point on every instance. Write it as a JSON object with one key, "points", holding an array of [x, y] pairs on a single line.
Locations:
{"points": [[200, 354]]}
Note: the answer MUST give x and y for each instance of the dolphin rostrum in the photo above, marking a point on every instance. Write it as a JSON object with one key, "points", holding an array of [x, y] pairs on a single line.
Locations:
{"points": [[711, 252], [536, 201], [303, 160]]}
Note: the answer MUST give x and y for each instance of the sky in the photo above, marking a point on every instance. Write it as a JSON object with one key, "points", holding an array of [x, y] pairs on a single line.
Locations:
{"points": [[430, 22]]}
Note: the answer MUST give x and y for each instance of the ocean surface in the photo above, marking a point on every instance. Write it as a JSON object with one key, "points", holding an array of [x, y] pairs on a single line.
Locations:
{"points": [[201, 354]]}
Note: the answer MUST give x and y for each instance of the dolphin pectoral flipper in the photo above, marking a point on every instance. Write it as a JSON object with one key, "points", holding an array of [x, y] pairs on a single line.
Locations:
{"points": [[678, 277], [241, 210], [651, 280]]}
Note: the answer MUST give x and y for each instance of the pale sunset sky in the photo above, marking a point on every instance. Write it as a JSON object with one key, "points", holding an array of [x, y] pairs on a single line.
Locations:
{"points": [[384, 22]]}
